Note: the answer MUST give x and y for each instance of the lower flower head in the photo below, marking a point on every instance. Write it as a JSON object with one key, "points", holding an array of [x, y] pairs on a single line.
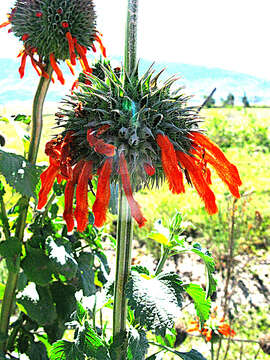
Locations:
{"points": [[148, 132]]}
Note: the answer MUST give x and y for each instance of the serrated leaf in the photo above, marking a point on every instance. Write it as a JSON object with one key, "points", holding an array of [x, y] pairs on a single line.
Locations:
{"points": [[37, 266], [86, 274], [156, 301], [61, 256], [37, 303], [65, 350], [10, 250], [19, 173], [80, 312], [137, 344], [202, 304], [91, 344]]}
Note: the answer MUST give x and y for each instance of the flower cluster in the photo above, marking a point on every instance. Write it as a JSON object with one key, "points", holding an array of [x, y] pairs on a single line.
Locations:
{"points": [[134, 131], [53, 30], [213, 328]]}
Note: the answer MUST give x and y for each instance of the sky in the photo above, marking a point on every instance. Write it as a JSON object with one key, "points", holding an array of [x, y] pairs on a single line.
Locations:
{"points": [[228, 34]]}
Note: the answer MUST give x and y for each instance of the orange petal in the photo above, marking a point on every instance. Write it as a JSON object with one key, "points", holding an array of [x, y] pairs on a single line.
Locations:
{"points": [[103, 195], [47, 179], [70, 67], [57, 69], [99, 145], [134, 206], [149, 169], [6, 23], [69, 193], [22, 67], [198, 181], [206, 143], [71, 48], [81, 211], [102, 48], [170, 165]]}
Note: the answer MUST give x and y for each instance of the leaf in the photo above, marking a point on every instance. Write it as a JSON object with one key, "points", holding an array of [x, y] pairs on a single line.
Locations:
{"points": [[37, 351], [210, 267], [37, 303], [202, 304], [65, 350], [156, 356], [61, 256], [91, 344], [11, 250], [4, 119], [80, 312], [64, 298], [19, 173], [37, 266], [137, 344], [86, 274], [156, 301], [191, 355]]}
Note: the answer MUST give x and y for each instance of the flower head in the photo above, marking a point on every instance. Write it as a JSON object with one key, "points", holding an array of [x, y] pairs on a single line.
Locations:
{"points": [[212, 328], [139, 133], [54, 30]]}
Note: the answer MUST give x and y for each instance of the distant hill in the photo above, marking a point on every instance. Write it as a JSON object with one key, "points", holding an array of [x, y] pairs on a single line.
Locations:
{"points": [[197, 80]]}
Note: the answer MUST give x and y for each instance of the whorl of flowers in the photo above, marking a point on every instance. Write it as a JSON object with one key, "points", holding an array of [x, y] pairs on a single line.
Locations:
{"points": [[213, 328], [53, 30], [134, 131]]}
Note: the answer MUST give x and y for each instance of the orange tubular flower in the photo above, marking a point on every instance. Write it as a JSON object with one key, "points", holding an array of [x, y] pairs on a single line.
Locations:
{"points": [[99, 145], [81, 211], [23, 62], [56, 69], [134, 206], [103, 195], [170, 165], [198, 181], [47, 179], [68, 215]]}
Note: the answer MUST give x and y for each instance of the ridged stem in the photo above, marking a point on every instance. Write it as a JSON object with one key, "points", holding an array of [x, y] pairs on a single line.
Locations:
{"points": [[131, 36], [11, 285], [123, 261]]}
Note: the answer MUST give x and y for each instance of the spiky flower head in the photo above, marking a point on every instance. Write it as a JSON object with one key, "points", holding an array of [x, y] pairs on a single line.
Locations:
{"points": [[54, 30], [134, 131]]}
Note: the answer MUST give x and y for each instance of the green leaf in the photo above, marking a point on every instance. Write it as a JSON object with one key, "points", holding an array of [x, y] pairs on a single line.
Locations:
{"points": [[65, 350], [37, 303], [86, 274], [210, 267], [80, 312], [191, 355], [19, 173], [137, 344], [11, 250], [37, 351], [23, 118], [64, 298], [202, 304], [60, 254], [156, 301], [4, 119], [37, 266], [91, 344]]}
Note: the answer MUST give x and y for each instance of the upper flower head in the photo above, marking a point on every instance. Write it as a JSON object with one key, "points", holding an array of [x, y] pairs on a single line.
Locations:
{"points": [[53, 30], [134, 131]]}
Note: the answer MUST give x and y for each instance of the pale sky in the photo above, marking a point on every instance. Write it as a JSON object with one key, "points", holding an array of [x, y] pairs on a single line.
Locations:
{"points": [[229, 34]]}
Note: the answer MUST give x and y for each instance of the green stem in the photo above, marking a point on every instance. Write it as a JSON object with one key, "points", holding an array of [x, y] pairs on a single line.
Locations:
{"points": [[131, 36], [212, 350], [11, 285], [162, 260], [123, 261], [125, 221], [4, 218]]}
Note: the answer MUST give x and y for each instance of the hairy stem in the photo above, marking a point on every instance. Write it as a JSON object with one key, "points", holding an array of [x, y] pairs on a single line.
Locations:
{"points": [[162, 260], [125, 221], [9, 295], [123, 260], [4, 218]]}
